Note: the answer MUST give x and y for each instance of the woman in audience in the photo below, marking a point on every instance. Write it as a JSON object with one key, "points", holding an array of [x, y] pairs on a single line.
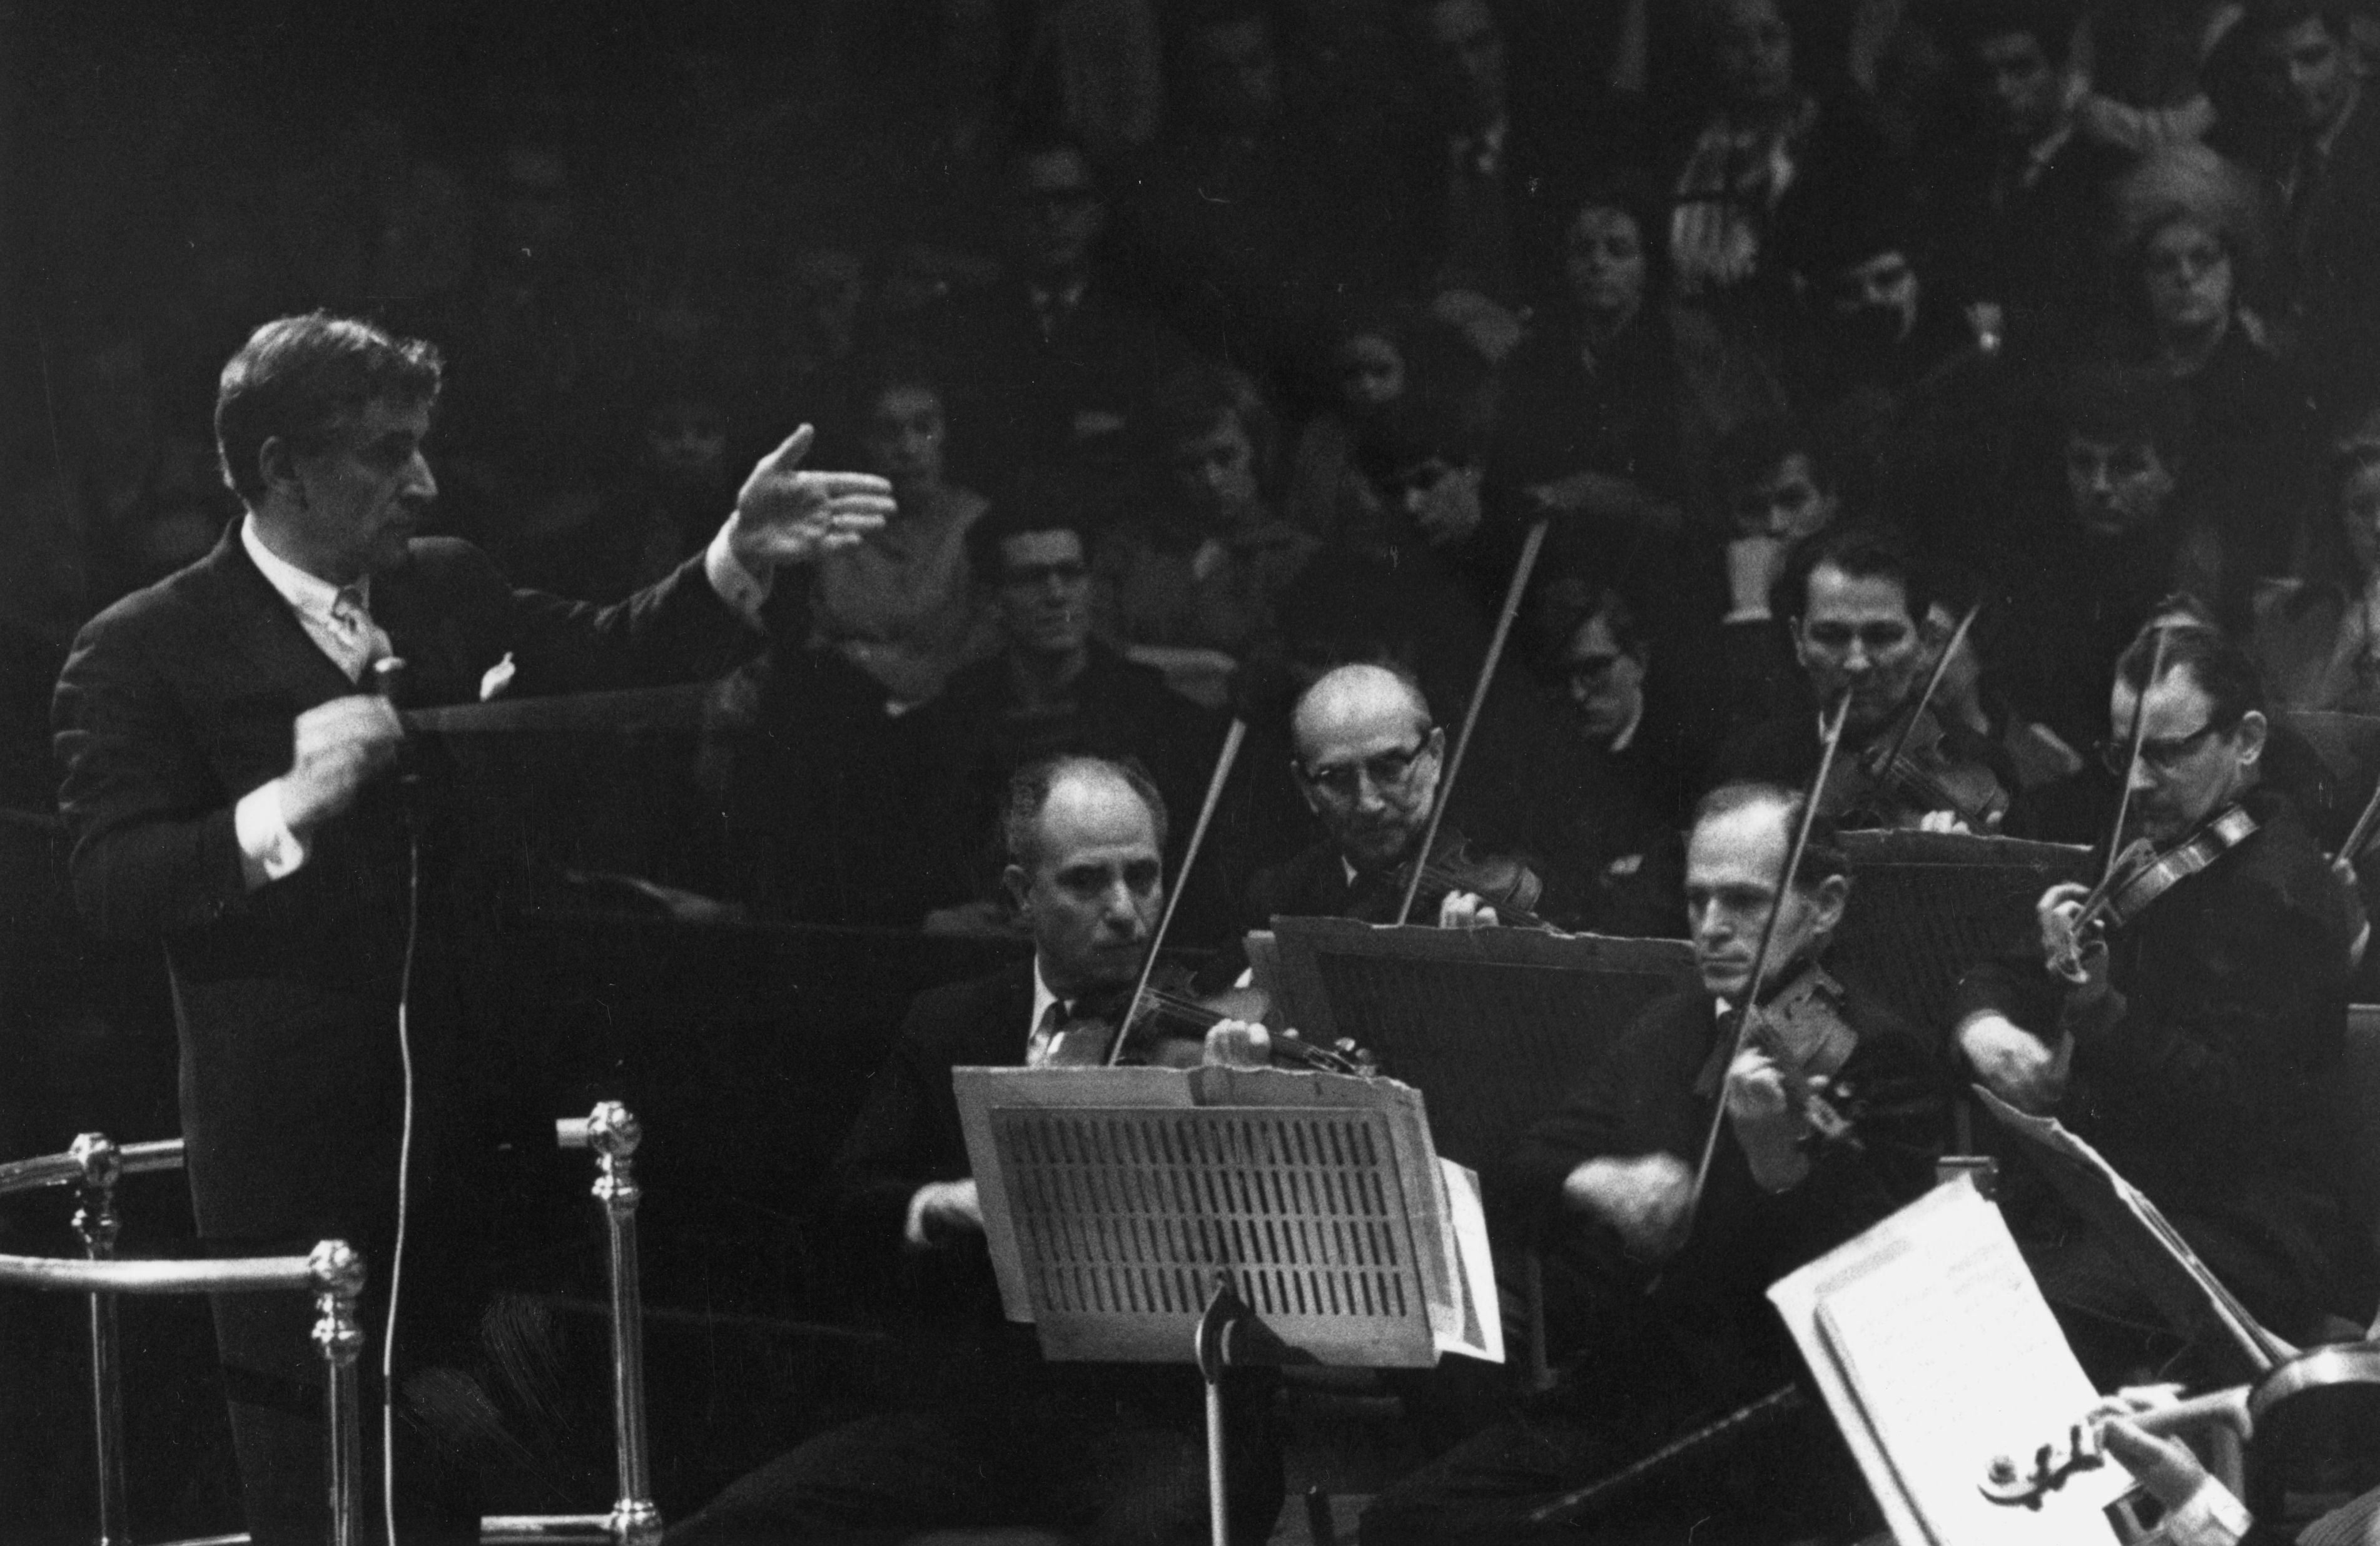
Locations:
{"points": [[1614, 408], [2192, 241], [1201, 567], [2317, 640], [902, 606]]}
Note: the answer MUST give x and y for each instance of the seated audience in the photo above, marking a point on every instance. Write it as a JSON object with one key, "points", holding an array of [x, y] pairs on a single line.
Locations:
{"points": [[1669, 1286], [1623, 696]]}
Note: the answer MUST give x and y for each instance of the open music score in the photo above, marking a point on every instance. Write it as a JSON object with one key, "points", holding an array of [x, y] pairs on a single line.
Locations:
{"points": [[1936, 1352]]}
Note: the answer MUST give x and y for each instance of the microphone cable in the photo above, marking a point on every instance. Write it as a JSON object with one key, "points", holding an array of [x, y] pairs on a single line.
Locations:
{"points": [[387, 674]]}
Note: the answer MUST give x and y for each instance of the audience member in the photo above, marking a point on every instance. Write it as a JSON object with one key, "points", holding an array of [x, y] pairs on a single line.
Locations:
{"points": [[2317, 639], [2191, 245], [1062, 355], [1202, 566], [1613, 410], [903, 606], [2017, 199], [1052, 688], [2319, 154], [1772, 162]]}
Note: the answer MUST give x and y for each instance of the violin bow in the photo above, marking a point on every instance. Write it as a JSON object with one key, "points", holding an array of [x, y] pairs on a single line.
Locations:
{"points": [[2137, 735], [2358, 837], [1229, 754], [1831, 744], [1530, 547], [1933, 684]]}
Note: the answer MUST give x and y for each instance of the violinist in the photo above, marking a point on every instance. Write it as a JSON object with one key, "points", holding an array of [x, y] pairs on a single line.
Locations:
{"points": [[1369, 758], [1832, 1116], [1860, 610], [984, 1433], [2193, 1034]]}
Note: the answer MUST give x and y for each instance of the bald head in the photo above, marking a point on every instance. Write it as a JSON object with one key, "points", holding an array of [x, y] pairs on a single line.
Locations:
{"points": [[1356, 702], [1367, 760]]}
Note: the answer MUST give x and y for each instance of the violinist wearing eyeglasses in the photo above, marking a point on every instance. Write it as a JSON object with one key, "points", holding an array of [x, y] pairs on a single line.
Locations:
{"points": [[1370, 758], [2190, 1026]]}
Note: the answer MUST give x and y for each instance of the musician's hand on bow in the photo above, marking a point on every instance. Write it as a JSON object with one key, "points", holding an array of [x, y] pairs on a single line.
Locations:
{"points": [[1642, 1197], [2166, 1466], [787, 513], [1944, 821], [2014, 1064], [1760, 1108], [947, 1211], [338, 746], [1466, 910]]}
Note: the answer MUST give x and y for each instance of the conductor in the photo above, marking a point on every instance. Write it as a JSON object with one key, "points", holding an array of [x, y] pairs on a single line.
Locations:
{"points": [[227, 793]]}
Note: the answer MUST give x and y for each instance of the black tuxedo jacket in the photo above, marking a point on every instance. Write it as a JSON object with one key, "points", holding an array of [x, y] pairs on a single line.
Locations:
{"points": [[178, 701]]}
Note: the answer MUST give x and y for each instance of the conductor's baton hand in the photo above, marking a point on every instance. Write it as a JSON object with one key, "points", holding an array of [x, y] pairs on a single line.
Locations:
{"points": [[339, 745], [787, 513]]}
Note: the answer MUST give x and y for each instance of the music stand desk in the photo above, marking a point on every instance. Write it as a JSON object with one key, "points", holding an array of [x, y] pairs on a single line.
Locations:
{"points": [[1225, 1216]]}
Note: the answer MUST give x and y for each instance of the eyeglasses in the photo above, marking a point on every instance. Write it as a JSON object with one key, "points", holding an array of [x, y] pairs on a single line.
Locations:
{"points": [[1025, 576], [1839, 637], [2159, 753], [1385, 769]]}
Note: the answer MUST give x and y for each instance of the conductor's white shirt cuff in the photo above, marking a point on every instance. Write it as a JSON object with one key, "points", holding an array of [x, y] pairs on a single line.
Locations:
{"points": [[742, 590], [268, 849]]}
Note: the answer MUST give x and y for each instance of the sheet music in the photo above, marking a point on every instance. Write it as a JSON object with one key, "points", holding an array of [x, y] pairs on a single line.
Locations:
{"points": [[2152, 1245], [1482, 1333], [1936, 1352]]}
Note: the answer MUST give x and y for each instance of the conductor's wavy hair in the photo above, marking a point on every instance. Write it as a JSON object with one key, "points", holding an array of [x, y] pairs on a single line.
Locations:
{"points": [[1823, 858], [302, 379], [1029, 790]]}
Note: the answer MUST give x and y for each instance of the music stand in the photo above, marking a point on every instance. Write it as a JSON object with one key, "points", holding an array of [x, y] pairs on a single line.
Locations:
{"points": [[1925, 906], [1496, 1025], [1225, 1216]]}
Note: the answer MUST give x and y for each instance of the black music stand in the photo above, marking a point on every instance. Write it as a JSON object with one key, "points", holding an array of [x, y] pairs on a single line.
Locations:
{"points": [[1925, 906], [1225, 1216], [1496, 1025]]}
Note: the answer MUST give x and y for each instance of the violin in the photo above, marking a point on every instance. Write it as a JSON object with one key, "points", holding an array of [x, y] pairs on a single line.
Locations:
{"points": [[1802, 1029], [1168, 1026], [2137, 877], [1899, 781], [1505, 884], [2324, 1401]]}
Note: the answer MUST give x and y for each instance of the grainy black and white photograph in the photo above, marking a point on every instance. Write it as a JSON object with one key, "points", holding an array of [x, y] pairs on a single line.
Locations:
{"points": [[1190, 772]]}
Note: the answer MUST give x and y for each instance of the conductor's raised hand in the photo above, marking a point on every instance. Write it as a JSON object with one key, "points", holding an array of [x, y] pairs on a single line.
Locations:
{"points": [[788, 514], [340, 745]]}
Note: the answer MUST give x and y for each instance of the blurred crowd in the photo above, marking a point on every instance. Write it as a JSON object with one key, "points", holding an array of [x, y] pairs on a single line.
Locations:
{"points": [[1209, 343]]}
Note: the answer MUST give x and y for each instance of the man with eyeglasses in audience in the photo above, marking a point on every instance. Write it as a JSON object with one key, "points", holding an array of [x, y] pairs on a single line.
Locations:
{"points": [[1860, 612], [2197, 1044]]}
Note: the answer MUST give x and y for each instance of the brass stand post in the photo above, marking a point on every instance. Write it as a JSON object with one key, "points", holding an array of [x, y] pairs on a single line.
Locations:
{"points": [[98, 1225], [613, 1134]]}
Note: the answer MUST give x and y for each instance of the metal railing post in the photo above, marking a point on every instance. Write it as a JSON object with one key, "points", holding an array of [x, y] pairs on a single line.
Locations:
{"points": [[98, 1224], [613, 1134], [338, 1281]]}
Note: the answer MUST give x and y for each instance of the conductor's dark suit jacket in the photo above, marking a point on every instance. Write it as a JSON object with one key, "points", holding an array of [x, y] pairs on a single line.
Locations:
{"points": [[178, 701]]}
